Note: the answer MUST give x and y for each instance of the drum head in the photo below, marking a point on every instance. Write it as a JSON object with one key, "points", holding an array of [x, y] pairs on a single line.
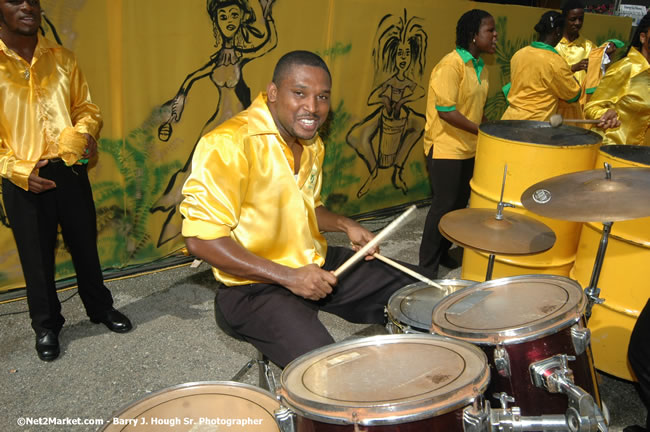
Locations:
{"points": [[510, 310], [413, 304], [384, 379], [540, 133], [200, 407]]}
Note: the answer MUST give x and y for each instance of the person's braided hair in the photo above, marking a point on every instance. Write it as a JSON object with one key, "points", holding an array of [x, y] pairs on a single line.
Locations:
{"points": [[468, 26]]}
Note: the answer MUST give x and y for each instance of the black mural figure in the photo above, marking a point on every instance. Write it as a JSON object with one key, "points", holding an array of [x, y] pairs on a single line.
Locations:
{"points": [[386, 136], [233, 23]]}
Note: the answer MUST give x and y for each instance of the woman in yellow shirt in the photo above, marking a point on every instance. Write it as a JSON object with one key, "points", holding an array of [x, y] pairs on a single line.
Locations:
{"points": [[457, 93], [540, 76], [626, 89]]}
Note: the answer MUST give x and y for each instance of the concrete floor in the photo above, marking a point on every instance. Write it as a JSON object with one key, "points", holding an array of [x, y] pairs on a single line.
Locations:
{"points": [[175, 341]]}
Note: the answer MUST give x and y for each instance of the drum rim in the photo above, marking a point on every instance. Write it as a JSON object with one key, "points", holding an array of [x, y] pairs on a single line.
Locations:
{"points": [[510, 336], [118, 413], [341, 415], [546, 125], [395, 315]]}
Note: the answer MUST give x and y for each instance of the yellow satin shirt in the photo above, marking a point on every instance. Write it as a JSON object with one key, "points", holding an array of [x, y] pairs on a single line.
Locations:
{"points": [[46, 107], [540, 79], [574, 52], [625, 88], [458, 82], [243, 186]]}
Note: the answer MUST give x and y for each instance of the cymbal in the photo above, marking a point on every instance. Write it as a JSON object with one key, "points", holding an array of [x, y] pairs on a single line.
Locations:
{"points": [[478, 228], [587, 196]]}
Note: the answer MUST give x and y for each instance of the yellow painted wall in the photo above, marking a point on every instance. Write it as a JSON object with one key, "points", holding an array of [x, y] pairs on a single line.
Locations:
{"points": [[137, 53]]}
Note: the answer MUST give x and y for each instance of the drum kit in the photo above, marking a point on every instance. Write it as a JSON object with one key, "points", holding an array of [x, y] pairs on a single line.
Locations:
{"points": [[522, 340]]}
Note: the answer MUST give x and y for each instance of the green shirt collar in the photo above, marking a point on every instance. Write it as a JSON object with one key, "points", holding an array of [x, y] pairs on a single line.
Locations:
{"points": [[542, 45], [466, 56]]}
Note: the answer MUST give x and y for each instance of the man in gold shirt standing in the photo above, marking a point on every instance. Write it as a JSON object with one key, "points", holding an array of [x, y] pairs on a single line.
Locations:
{"points": [[48, 125], [253, 211]]}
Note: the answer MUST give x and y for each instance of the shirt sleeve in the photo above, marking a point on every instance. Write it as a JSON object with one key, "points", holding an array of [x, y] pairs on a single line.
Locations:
{"points": [[16, 170], [445, 85], [84, 114], [608, 93], [215, 189]]}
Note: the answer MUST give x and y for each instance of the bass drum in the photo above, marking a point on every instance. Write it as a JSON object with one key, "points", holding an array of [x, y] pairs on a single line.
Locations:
{"points": [[409, 309], [405, 382], [519, 321], [200, 406]]}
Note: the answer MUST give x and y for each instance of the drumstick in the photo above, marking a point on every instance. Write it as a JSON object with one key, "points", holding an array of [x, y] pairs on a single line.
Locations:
{"points": [[408, 271], [556, 120], [372, 243]]}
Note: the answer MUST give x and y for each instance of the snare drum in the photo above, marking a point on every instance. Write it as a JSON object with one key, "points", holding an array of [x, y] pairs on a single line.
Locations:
{"points": [[413, 382], [519, 321], [200, 406], [409, 308]]}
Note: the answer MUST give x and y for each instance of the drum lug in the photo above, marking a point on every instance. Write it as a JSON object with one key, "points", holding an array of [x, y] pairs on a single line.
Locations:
{"points": [[285, 419], [581, 338], [502, 361], [547, 373], [476, 417]]}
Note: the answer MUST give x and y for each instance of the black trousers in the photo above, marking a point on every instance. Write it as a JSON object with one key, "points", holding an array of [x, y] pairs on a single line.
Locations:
{"points": [[34, 219], [450, 191], [639, 356], [284, 326]]}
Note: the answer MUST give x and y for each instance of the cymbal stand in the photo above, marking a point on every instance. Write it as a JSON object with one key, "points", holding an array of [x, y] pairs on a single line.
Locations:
{"points": [[498, 216], [592, 291]]}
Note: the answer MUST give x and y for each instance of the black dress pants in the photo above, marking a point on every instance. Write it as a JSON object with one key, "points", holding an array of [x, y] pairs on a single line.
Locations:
{"points": [[450, 191], [34, 219], [284, 326], [639, 356]]}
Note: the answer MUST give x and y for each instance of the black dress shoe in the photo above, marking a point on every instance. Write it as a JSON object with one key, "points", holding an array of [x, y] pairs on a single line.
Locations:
{"points": [[47, 345], [115, 320]]}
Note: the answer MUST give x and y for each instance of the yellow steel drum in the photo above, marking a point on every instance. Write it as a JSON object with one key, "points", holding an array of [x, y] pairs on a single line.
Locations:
{"points": [[625, 276], [534, 151]]}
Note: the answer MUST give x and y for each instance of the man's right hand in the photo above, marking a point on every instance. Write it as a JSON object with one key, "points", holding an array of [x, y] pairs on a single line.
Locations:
{"points": [[311, 282], [581, 65], [39, 184]]}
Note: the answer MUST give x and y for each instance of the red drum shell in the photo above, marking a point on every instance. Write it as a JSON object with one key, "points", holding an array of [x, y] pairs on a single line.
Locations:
{"points": [[531, 317]]}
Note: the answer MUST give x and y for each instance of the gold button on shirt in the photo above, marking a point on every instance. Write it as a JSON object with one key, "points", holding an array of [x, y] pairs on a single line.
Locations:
{"points": [[626, 89], [242, 185], [39, 102]]}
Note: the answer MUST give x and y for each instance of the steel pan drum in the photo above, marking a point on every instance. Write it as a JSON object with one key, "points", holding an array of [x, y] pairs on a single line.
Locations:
{"points": [[532, 318], [406, 382], [624, 276], [534, 151], [409, 309], [200, 406]]}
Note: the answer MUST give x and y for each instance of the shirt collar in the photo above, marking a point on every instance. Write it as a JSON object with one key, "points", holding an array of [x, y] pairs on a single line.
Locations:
{"points": [[542, 45], [640, 62], [466, 56], [43, 45], [579, 41]]}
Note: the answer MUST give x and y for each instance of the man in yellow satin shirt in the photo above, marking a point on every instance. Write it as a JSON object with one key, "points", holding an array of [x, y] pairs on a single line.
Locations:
{"points": [[253, 211], [48, 124]]}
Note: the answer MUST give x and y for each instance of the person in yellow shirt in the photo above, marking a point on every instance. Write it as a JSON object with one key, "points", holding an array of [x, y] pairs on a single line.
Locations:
{"points": [[253, 210], [540, 77], [48, 124], [626, 89], [458, 89], [586, 59]]}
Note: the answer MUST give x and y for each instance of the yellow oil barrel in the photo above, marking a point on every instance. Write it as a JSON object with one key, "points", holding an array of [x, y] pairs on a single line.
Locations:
{"points": [[534, 151], [625, 276]]}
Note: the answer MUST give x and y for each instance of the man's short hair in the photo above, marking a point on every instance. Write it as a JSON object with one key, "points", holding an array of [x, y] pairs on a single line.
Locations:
{"points": [[297, 58]]}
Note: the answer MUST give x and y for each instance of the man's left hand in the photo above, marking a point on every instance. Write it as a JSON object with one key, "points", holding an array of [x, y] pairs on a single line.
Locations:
{"points": [[91, 147], [609, 120], [359, 236]]}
